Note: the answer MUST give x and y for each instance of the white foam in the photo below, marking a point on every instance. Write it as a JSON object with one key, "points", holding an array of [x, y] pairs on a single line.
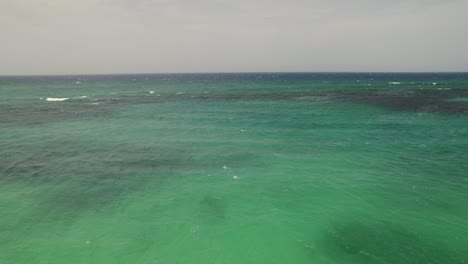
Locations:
{"points": [[81, 97], [151, 92], [394, 82], [78, 82], [53, 99], [235, 177], [225, 167]]}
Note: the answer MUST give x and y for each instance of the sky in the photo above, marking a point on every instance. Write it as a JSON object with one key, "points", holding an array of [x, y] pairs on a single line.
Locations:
{"points": [[160, 36]]}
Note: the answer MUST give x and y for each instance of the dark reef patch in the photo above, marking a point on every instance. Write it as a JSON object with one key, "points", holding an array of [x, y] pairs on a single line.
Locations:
{"points": [[39, 113], [212, 209], [49, 161], [81, 176], [433, 100], [359, 242], [417, 100], [84, 176], [427, 100]]}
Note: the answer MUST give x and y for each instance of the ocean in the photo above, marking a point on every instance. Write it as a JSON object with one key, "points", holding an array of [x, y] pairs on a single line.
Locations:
{"points": [[234, 168]]}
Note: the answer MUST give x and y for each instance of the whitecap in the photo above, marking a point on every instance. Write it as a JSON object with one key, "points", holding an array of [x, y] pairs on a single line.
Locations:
{"points": [[151, 92], [53, 99], [394, 82]]}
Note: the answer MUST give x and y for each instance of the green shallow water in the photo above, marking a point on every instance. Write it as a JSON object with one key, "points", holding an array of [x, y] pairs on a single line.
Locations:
{"points": [[234, 168]]}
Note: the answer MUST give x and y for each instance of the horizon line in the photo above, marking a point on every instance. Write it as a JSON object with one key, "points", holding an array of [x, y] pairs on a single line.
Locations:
{"points": [[229, 72]]}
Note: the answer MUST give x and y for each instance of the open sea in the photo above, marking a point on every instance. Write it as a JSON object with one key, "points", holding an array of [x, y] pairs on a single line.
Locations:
{"points": [[326, 168]]}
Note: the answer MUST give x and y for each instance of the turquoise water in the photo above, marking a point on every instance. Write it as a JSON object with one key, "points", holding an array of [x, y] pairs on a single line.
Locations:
{"points": [[234, 168]]}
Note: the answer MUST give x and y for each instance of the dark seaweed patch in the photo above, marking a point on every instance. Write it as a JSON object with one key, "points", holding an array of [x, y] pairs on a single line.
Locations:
{"points": [[32, 114], [420, 100], [74, 158], [82, 177], [49, 112], [69, 179], [213, 209], [357, 242], [428, 100]]}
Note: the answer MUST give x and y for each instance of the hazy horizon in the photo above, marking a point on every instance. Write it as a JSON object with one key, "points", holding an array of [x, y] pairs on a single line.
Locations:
{"points": [[251, 72], [51, 37]]}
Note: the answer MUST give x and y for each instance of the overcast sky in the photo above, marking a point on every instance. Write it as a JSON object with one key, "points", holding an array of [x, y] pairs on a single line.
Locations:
{"points": [[151, 36]]}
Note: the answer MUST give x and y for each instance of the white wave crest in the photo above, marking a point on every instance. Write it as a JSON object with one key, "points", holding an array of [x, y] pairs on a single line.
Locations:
{"points": [[54, 99]]}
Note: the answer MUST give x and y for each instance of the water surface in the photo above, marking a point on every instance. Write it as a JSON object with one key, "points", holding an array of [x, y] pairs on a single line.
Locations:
{"points": [[234, 168]]}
